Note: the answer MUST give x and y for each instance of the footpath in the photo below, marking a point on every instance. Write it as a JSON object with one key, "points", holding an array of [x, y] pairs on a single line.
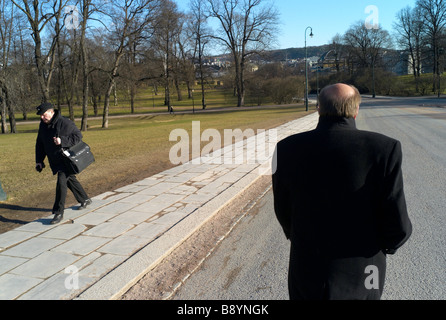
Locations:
{"points": [[100, 252]]}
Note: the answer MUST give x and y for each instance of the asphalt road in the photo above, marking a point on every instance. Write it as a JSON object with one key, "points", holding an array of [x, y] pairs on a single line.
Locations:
{"points": [[252, 262]]}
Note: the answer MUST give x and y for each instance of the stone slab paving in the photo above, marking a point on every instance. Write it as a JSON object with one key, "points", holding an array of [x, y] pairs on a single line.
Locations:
{"points": [[99, 253]]}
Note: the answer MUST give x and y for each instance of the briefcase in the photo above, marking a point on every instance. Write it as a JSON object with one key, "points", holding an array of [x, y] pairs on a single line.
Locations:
{"points": [[78, 157]]}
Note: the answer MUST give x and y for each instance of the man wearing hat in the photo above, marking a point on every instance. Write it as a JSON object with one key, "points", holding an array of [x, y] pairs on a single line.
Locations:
{"points": [[55, 133]]}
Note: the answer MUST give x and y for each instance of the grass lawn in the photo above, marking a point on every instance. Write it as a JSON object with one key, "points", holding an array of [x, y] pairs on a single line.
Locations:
{"points": [[131, 149], [147, 102]]}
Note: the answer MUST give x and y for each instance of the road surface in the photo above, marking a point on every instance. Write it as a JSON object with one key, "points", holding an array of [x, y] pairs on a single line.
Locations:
{"points": [[251, 263], [252, 260]]}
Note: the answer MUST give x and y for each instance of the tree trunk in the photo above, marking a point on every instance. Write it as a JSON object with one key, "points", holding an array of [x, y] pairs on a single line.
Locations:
{"points": [[203, 93], [107, 105], [3, 116], [238, 86], [132, 98], [177, 87], [95, 105], [6, 105], [111, 85], [115, 93], [85, 87], [12, 122]]}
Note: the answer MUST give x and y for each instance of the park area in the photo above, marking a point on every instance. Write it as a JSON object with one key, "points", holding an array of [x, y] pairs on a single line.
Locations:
{"points": [[133, 147]]}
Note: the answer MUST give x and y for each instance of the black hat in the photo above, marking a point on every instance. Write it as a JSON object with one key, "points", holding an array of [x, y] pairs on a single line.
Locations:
{"points": [[44, 107]]}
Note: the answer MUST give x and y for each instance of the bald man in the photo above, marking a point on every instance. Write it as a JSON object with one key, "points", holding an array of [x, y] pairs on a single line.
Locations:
{"points": [[338, 195]]}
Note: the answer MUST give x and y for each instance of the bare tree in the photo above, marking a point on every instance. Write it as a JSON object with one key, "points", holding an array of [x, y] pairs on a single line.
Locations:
{"points": [[20, 69], [409, 27], [248, 27], [179, 57], [69, 63], [130, 18], [186, 67], [434, 17], [200, 34], [38, 18], [132, 71], [366, 44], [5, 30], [6, 33], [337, 50], [164, 40], [366, 47], [87, 9]]}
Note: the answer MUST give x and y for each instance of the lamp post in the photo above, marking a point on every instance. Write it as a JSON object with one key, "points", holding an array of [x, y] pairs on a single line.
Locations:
{"points": [[306, 69], [193, 102]]}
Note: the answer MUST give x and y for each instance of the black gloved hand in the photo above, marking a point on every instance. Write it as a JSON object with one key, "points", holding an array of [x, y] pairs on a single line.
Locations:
{"points": [[39, 167]]}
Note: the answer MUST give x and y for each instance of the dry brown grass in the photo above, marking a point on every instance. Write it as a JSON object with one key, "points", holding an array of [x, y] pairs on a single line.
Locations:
{"points": [[131, 149]]}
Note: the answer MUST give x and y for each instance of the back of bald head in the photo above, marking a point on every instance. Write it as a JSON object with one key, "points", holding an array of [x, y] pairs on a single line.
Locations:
{"points": [[339, 100]]}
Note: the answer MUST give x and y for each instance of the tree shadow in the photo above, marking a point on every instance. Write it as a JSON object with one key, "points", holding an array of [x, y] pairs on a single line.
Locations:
{"points": [[21, 208], [9, 218], [14, 221]]}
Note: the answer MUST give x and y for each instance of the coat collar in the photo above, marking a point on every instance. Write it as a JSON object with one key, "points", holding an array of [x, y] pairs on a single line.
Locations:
{"points": [[328, 122]]}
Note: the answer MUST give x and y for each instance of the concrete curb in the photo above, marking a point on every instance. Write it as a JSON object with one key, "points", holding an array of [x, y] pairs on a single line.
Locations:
{"points": [[99, 253], [119, 280]]}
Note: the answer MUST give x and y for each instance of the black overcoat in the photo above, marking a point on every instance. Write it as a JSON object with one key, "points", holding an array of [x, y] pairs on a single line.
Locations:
{"points": [[66, 130], [338, 195]]}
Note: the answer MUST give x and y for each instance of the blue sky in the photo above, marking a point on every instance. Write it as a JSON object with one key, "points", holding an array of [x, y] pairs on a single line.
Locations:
{"points": [[329, 17], [326, 17]]}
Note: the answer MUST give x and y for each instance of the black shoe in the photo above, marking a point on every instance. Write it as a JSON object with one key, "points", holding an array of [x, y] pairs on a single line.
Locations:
{"points": [[57, 218], [85, 204]]}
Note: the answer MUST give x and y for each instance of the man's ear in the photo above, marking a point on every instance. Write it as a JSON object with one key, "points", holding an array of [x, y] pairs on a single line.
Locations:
{"points": [[357, 112]]}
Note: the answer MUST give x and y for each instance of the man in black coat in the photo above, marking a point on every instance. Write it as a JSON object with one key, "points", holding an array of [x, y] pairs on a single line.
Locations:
{"points": [[338, 195], [55, 133]]}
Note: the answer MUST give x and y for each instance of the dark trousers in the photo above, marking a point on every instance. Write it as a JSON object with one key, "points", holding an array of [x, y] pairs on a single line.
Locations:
{"points": [[64, 182]]}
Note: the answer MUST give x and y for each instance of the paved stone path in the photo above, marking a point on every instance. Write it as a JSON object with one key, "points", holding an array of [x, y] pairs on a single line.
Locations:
{"points": [[99, 253]]}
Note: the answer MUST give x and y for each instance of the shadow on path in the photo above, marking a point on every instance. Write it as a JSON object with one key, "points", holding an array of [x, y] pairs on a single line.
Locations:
{"points": [[12, 216]]}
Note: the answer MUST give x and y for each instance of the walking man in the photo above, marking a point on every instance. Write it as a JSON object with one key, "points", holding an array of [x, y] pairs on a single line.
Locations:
{"points": [[338, 195], [57, 132]]}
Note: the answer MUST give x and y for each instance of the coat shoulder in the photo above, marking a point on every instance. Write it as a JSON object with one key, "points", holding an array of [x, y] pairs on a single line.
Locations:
{"points": [[377, 136], [296, 138], [312, 140], [65, 120], [66, 124], [378, 139]]}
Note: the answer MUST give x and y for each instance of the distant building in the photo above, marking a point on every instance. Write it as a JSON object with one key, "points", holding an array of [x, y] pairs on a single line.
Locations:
{"points": [[251, 67], [400, 62], [312, 61]]}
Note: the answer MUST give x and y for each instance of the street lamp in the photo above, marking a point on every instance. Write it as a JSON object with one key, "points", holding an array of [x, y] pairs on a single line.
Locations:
{"points": [[306, 69], [193, 102]]}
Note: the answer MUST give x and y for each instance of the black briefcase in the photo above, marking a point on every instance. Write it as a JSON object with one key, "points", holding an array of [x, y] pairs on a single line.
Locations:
{"points": [[78, 157]]}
